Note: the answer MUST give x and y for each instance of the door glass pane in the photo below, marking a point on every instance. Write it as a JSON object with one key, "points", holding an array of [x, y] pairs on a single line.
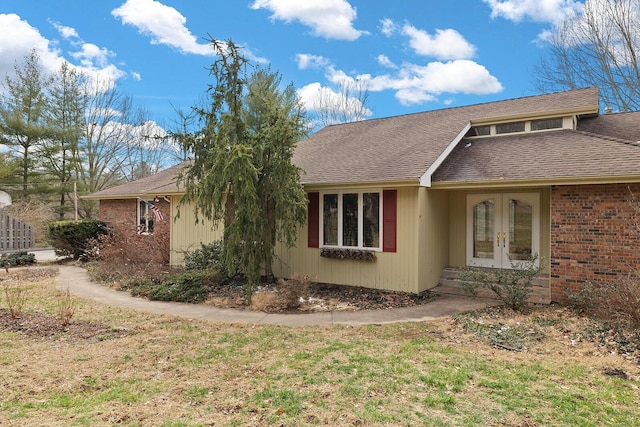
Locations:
{"points": [[330, 219], [520, 230], [371, 220], [483, 229], [350, 219]]}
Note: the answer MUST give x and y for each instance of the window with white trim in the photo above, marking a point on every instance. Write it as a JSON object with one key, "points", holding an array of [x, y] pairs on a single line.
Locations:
{"points": [[351, 219], [145, 218]]}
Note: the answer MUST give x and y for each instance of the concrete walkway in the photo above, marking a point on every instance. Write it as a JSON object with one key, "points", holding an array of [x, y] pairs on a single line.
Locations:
{"points": [[76, 280]]}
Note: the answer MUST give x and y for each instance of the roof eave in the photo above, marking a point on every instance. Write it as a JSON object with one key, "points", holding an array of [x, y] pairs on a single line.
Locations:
{"points": [[584, 111], [412, 182], [537, 182], [132, 195]]}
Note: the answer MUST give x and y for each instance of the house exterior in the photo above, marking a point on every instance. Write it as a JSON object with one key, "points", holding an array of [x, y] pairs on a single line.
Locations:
{"points": [[395, 201]]}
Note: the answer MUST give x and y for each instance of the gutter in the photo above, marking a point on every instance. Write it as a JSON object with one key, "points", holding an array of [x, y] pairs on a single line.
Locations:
{"points": [[539, 182]]}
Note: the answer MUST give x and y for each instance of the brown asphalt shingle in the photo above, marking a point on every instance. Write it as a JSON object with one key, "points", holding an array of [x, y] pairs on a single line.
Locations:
{"points": [[163, 182], [561, 154], [404, 147]]}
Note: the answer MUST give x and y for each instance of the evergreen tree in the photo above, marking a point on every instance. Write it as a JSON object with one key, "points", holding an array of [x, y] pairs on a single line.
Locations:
{"points": [[67, 123], [23, 124], [242, 174]]}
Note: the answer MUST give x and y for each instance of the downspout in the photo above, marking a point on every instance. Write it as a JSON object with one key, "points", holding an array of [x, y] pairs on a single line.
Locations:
{"points": [[425, 180]]}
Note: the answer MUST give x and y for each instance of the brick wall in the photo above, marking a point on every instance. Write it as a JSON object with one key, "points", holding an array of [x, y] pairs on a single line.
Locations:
{"points": [[123, 216], [123, 213], [594, 237]]}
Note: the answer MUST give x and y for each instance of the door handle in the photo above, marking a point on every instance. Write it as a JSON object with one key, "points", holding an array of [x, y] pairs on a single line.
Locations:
{"points": [[504, 239]]}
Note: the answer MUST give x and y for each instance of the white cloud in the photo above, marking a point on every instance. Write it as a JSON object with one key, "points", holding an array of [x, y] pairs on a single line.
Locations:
{"points": [[91, 54], [18, 38], [314, 95], [306, 60], [385, 61], [68, 33], [552, 11], [332, 19], [164, 24], [416, 84], [445, 44], [388, 27]]}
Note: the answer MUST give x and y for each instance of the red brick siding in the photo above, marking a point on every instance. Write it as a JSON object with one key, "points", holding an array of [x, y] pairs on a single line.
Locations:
{"points": [[119, 214], [594, 237], [123, 215]]}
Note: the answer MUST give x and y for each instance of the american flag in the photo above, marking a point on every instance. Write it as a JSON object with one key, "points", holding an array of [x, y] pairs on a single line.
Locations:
{"points": [[157, 215]]}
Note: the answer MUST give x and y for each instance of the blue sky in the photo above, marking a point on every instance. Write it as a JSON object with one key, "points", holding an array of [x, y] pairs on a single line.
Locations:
{"points": [[414, 55]]}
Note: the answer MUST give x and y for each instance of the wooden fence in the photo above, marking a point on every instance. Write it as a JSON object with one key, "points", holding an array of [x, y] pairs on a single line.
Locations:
{"points": [[15, 234]]}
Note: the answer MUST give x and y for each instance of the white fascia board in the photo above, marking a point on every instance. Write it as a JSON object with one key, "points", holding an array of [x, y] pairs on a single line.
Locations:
{"points": [[425, 180]]}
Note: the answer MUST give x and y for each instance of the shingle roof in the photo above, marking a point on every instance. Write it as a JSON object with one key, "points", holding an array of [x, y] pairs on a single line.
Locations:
{"points": [[619, 125], [555, 155], [404, 147], [163, 182]]}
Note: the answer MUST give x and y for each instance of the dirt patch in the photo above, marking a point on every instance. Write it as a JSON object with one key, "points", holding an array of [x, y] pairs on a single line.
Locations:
{"points": [[43, 325], [17, 289]]}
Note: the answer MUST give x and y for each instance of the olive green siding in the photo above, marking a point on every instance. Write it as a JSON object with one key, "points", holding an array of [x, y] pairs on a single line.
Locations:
{"points": [[391, 270], [186, 235]]}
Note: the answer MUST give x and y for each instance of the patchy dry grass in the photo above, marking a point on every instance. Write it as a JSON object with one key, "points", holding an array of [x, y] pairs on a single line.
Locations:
{"points": [[165, 371]]}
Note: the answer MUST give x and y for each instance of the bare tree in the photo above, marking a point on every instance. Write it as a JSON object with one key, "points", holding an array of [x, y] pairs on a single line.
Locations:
{"points": [[347, 104], [600, 47]]}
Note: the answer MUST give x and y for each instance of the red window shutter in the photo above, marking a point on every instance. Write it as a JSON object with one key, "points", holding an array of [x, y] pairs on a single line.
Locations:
{"points": [[389, 220], [313, 219]]}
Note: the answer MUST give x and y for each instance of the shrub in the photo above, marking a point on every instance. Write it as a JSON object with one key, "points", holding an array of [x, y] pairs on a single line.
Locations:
{"points": [[129, 257], [210, 256], [618, 303], [512, 286], [16, 298], [66, 308], [75, 238], [140, 287], [16, 258], [191, 287]]}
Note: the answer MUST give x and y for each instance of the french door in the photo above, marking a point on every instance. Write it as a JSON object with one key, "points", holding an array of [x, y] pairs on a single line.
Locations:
{"points": [[502, 228]]}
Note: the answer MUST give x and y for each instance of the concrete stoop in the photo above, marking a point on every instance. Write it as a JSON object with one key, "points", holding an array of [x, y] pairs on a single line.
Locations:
{"points": [[450, 284]]}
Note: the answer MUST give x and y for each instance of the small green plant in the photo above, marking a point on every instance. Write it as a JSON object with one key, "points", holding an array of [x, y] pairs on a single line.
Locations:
{"points": [[16, 258], [191, 287], [511, 285], [66, 308], [210, 257], [16, 298], [140, 287]]}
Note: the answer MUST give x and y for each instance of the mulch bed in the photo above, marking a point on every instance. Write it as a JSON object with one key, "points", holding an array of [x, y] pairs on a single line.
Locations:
{"points": [[43, 325], [320, 297]]}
